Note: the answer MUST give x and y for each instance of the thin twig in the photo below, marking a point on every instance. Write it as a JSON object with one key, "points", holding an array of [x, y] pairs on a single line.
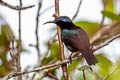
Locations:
{"points": [[84, 78], [40, 58], [37, 46], [41, 68], [103, 31], [51, 75], [50, 42], [107, 42], [108, 75], [37, 30], [15, 7], [103, 17], [62, 56], [77, 10], [19, 43], [12, 52]]}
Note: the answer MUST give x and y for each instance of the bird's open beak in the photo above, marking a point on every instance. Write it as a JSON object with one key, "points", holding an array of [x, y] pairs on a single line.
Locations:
{"points": [[50, 22]]}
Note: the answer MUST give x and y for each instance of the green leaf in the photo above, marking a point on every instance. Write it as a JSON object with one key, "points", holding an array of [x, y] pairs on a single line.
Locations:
{"points": [[115, 70], [89, 76], [111, 15], [115, 74], [54, 54], [73, 65], [5, 38], [104, 65], [90, 27], [84, 68], [109, 6]]}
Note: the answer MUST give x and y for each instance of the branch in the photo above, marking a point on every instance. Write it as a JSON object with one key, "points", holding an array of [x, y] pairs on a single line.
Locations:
{"points": [[15, 7], [59, 62], [49, 43], [107, 42], [103, 17], [77, 10], [103, 31], [19, 42], [62, 56], [51, 75], [36, 31], [41, 68]]}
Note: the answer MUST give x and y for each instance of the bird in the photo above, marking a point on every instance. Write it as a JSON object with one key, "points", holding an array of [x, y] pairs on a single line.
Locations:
{"points": [[75, 38]]}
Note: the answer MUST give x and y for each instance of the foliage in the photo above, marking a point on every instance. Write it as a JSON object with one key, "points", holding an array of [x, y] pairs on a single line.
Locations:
{"points": [[109, 5], [104, 65], [53, 54], [111, 15], [5, 66], [90, 27]]}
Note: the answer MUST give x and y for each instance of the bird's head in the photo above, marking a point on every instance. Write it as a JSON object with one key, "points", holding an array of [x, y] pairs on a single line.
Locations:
{"points": [[62, 22]]}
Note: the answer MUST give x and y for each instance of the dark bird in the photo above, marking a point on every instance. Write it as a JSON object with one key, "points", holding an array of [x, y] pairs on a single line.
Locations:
{"points": [[75, 38]]}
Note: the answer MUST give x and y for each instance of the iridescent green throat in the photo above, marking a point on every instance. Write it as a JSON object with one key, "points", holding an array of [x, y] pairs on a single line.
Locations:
{"points": [[68, 32]]}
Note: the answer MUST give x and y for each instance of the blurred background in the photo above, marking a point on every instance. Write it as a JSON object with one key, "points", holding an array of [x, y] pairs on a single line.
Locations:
{"points": [[93, 16]]}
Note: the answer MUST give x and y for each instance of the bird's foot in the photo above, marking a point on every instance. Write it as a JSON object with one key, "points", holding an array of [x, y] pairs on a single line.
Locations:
{"points": [[70, 58]]}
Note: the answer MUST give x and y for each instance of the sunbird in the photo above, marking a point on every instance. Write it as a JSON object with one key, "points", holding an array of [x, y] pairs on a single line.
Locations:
{"points": [[75, 38]]}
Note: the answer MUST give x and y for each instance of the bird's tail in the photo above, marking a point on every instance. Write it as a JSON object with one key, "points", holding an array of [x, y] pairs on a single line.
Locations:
{"points": [[90, 58]]}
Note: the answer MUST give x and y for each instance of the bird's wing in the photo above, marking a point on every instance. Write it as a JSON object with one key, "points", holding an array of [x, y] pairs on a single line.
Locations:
{"points": [[84, 38], [78, 41]]}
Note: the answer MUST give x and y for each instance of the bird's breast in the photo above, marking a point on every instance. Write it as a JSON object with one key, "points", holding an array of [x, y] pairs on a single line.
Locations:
{"points": [[65, 34]]}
